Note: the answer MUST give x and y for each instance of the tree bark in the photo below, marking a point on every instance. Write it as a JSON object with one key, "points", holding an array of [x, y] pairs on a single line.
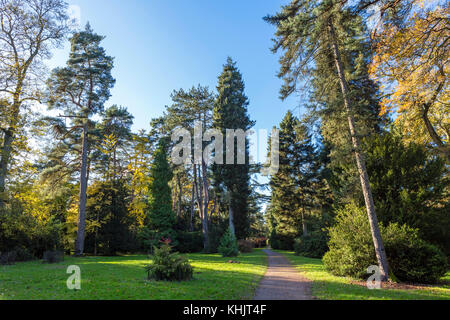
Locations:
{"points": [[79, 243], [5, 156], [205, 203], [367, 192]]}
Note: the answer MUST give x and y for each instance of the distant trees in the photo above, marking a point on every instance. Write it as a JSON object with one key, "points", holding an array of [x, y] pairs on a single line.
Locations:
{"points": [[81, 89], [298, 188]]}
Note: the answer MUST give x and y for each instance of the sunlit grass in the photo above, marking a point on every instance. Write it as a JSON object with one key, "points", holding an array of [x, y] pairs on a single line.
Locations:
{"points": [[327, 286], [124, 277]]}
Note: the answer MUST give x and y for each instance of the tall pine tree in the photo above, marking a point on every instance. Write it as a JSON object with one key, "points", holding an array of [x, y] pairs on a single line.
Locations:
{"points": [[81, 90], [309, 31]]}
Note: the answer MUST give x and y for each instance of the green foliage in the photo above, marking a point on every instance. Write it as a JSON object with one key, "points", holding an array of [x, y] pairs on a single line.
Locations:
{"points": [[411, 258], [53, 256], [160, 217], [108, 221], [26, 235], [352, 252], [245, 246], [168, 265], [408, 186], [313, 245], [228, 245], [232, 182], [189, 242]]}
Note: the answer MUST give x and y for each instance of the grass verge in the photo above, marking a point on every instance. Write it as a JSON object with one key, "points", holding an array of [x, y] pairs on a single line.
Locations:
{"points": [[329, 287], [124, 277]]}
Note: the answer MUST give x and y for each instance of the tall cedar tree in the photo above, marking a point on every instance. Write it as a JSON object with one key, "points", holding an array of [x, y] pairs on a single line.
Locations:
{"points": [[160, 217], [233, 180], [81, 90], [308, 31]]}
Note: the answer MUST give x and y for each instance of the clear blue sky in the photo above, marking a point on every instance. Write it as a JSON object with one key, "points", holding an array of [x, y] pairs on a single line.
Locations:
{"points": [[162, 45]]}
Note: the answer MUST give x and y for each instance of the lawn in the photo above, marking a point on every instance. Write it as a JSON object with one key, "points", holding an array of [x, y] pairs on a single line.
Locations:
{"points": [[124, 277], [329, 287]]}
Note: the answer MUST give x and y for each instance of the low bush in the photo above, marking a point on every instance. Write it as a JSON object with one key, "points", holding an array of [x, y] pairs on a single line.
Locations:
{"points": [[281, 242], [189, 242], [245, 246], [412, 259], [228, 245], [259, 242], [351, 250], [313, 245], [8, 257], [53, 256], [169, 266]]}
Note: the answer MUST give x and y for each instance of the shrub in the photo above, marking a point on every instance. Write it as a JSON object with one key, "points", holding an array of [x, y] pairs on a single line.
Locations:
{"points": [[259, 242], [168, 265], [8, 257], [19, 230], [412, 259], [189, 242], [351, 248], [313, 245], [228, 245], [53, 256], [281, 242], [352, 251], [245, 246]]}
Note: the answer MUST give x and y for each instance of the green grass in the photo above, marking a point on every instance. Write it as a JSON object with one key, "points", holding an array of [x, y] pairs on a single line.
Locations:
{"points": [[329, 287], [124, 277]]}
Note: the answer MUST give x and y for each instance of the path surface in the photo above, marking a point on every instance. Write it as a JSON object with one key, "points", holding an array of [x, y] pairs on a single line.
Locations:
{"points": [[282, 281]]}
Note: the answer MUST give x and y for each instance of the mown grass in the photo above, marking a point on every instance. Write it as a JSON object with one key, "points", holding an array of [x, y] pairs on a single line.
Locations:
{"points": [[124, 277], [329, 287]]}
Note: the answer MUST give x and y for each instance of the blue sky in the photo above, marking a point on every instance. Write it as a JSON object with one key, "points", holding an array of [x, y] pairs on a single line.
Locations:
{"points": [[161, 45]]}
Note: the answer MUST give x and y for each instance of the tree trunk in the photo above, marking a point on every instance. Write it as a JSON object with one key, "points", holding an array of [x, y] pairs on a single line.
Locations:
{"points": [[79, 243], [231, 217], [367, 192], [205, 203], [191, 222], [4, 160], [304, 228], [179, 196]]}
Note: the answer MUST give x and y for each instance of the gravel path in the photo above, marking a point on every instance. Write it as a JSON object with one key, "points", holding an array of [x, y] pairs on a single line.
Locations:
{"points": [[282, 281]]}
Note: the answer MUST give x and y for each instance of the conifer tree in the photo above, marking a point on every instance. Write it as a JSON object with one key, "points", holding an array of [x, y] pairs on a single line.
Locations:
{"points": [[160, 217], [81, 90], [309, 31], [232, 181]]}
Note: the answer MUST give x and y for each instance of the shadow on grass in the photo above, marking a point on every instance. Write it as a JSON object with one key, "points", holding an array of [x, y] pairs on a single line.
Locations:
{"points": [[124, 277]]}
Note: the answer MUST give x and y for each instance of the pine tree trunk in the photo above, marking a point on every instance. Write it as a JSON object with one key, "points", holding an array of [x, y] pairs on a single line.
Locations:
{"points": [[304, 228], [231, 218], [79, 243], [191, 222], [367, 192], [205, 203], [4, 160], [179, 196]]}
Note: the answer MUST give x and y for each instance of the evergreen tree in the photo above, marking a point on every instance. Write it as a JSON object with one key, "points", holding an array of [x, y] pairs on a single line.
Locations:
{"points": [[298, 186], [311, 31], [160, 217], [81, 90], [232, 181]]}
